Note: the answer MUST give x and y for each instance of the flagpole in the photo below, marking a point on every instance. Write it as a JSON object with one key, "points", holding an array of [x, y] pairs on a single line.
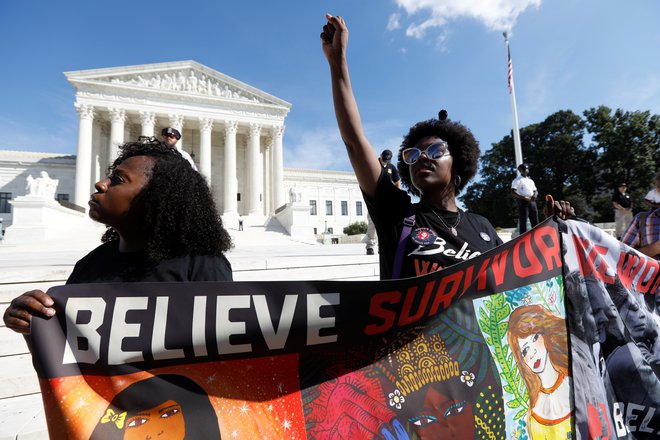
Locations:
{"points": [[512, 94]]}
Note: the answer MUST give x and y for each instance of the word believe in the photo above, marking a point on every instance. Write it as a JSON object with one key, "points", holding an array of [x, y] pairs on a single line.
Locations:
{"points": [[114, 338]]}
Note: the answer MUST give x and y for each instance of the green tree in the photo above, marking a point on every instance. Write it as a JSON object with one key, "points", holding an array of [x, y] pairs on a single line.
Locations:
{"points": [[556, 154], [581, 160], [627, 149], [356, 228], [559, 159], [490, 195]]}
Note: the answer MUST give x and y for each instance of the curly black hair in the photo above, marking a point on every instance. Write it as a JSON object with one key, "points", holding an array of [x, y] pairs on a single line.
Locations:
{"points": [[179, 214], [463, 146]]}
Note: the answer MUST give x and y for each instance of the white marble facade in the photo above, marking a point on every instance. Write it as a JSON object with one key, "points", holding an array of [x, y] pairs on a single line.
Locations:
{"points": [[233, 130], [17, 166], [332, 199]]}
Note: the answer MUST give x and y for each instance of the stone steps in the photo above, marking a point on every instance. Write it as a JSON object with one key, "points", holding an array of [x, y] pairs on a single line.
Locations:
{"points": [[23, 418]]}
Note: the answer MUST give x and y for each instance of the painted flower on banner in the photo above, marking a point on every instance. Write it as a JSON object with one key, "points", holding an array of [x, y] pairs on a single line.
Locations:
{"points": [[518, 296], [552, 297], [396, 399], [467, 378], [520, 432]]}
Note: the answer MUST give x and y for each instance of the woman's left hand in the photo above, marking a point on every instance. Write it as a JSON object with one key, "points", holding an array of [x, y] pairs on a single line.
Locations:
{"points": [[561, 208]]}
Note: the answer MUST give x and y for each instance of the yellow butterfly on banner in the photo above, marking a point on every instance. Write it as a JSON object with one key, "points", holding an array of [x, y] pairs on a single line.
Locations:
{"points": [[113, 417]]}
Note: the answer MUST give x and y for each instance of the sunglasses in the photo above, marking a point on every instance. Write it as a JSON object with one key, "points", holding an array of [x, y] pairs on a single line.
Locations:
{"points": [[147, 140], [434, 151]]}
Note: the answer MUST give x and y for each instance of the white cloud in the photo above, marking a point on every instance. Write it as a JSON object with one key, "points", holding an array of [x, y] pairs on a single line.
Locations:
{"points": [[641, 92], [394, 23], [441, 41], [317, 149], [322, 148], [22, 137], [497, 15]]}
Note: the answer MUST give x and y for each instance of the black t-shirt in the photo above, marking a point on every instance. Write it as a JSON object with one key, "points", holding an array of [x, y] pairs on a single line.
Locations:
{"points": [[392, 172], [106, 264], [391, 206], [621, 199]]}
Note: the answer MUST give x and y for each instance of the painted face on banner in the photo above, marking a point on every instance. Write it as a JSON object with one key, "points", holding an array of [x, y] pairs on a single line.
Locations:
{"points": [[634, 318], [534, 352], [603, 311], [443, 417], [163, 421]]}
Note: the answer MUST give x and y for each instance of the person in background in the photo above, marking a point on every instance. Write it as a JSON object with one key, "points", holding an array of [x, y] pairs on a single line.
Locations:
{"points": [[385, 160], [653, 196], [171, 138], [524, 190], [643, 233], [622, 209]]}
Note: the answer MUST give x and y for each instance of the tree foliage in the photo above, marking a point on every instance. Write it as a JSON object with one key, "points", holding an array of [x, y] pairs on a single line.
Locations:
{"points": [[356, 228], [579, 159], [627, 149]]}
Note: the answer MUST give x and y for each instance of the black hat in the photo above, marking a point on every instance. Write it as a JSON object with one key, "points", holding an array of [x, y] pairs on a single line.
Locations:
{"points": [[386, 155], [169, 131], [622, 184], [523, 166]]}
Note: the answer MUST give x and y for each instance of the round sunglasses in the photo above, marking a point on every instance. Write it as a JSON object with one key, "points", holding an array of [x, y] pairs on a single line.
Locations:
{"points": [[434, 151]]}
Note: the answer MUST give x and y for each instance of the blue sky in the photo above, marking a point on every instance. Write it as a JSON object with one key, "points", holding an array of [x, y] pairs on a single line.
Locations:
{"points": [[408, 59]]}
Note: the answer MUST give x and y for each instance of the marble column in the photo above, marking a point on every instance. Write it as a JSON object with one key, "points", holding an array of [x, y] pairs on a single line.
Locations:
{"points": [[100, 154], [253, 169], [176, 121], [148, 120], [205, 128], [277, 185], [267, 176], [117, 120], [230, 183], [84, 154]]}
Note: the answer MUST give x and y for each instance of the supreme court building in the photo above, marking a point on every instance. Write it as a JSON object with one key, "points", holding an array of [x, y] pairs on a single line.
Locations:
{"points": [[232, 130]]}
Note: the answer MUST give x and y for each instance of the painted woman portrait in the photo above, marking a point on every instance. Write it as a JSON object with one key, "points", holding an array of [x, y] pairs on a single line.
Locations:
{"points": [[539, 344], [434, 394], [168, 406]]}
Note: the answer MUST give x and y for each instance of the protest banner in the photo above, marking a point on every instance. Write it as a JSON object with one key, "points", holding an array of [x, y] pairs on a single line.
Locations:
{"points": [[551, 334]]}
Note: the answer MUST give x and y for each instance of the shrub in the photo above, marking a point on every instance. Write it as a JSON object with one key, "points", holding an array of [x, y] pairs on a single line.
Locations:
{"points": [[356, 228]]}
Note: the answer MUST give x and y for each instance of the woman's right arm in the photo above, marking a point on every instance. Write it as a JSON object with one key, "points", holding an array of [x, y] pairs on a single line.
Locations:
{"points": [[19, 313], [360, 152]]}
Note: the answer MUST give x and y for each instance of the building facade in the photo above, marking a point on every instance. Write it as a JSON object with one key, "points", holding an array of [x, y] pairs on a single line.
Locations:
{"points": [[233, 131], [333, 198], [16, 166]]}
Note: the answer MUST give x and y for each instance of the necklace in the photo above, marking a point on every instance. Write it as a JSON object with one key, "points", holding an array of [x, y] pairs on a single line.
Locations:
{"points": [[452, 228], [560, 379]]}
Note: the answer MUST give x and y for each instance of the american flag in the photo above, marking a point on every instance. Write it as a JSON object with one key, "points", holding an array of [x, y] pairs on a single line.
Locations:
{"points": [[509, 69]]}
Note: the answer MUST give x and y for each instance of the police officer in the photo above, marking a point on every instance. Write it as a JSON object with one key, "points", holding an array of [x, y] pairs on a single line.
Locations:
{"points": [[171, 138]]}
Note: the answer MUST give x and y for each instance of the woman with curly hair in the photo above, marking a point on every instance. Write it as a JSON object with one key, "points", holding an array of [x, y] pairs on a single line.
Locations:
{"points": [[539, 344], [437, 159], [162, 226]]}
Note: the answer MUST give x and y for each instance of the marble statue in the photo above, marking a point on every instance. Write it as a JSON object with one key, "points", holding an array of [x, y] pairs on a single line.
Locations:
{"points": [[42, 186]]}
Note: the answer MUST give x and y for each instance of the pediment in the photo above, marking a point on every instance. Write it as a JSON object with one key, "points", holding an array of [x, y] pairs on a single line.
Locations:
{"points": [[184, 78]]}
